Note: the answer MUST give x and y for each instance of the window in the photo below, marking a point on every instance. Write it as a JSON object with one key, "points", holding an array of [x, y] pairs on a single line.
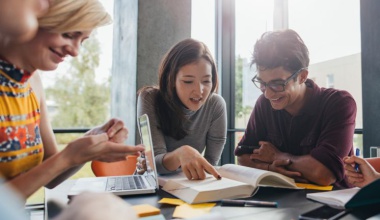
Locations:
{"points": [[78, 92], [333, 42], [329, 81], [253, 18], [203, 22], [334, 45]]}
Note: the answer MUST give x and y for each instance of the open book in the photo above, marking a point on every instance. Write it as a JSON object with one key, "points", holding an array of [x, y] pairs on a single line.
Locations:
{"points": [[350, 198], [237, 182]]}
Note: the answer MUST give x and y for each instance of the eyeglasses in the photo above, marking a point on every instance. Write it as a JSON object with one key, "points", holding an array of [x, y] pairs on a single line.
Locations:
{"points": [[275, 86]]}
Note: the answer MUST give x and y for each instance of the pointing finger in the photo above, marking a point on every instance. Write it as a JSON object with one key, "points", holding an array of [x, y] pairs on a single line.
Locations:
{"points": [[210, 169]]}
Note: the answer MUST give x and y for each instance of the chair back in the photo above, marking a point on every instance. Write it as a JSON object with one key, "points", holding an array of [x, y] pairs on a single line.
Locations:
{"points": [[120, 168]]}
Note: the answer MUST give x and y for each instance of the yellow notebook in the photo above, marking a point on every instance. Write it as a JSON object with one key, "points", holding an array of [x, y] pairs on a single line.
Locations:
{"points": [[144, 210]]}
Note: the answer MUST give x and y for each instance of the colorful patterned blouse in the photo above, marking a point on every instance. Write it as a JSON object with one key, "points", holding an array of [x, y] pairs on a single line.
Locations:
{"points": [[20, 140]]}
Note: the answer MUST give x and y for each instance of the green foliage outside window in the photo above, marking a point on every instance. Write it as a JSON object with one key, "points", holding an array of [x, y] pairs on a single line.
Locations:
{"points": [[241, 112]]}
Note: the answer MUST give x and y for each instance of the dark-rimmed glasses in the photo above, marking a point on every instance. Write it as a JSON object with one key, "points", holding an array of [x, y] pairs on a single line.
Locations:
{"points": [[275, 86]]}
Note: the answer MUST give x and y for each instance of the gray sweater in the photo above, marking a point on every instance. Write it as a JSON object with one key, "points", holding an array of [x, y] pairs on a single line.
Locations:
{"points": [[207, 128]]}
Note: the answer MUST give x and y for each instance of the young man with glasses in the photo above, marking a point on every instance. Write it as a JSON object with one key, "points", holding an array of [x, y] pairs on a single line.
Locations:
{"points": [[300, 130]]}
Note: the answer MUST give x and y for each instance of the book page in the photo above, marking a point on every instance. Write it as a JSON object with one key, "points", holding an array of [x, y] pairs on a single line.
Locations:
{"points": [[241, 173], [162, 179], [255, 176], [336, 198], [209, 189], [277, 180], [210, 183]]}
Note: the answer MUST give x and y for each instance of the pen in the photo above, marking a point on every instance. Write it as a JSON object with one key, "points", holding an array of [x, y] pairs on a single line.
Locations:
{"points": [[245, 203], [357, 153]]}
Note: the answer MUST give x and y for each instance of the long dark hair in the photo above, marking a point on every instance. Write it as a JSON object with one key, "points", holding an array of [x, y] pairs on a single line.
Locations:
{"points": [[168, 105]]}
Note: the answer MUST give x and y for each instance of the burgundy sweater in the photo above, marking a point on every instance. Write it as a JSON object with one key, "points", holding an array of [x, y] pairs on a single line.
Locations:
{"points": [[324, 128]]}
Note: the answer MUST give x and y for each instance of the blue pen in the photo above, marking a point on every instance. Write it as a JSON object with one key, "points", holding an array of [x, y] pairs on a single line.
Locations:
{"points": [[357, 153]]}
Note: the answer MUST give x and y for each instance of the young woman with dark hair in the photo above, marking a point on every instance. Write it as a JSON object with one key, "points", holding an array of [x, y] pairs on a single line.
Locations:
{"points": [[187, 116]]}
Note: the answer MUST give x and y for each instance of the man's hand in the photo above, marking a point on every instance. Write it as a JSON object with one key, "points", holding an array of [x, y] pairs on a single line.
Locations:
{"points": [[279, 166], [266, 153], [245, 160]]}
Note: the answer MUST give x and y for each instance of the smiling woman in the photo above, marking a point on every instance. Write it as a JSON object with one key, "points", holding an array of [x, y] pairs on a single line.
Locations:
{"points": [[28, 148], [61, 32], [52, 48], [193, 84], [95, 60], [187, 116]]}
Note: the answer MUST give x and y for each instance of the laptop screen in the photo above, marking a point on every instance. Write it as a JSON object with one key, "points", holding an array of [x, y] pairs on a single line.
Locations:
{"points": [[146, 139]]}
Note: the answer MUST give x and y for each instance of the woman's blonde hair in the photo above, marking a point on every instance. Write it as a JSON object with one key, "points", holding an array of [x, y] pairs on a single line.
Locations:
{"points": [[74, 15]]}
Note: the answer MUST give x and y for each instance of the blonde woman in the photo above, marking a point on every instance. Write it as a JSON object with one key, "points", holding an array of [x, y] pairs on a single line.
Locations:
{"points": [[29, 158]]}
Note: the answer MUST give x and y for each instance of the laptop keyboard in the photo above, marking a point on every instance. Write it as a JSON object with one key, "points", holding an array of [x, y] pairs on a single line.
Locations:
{"points": [[125, 183]]}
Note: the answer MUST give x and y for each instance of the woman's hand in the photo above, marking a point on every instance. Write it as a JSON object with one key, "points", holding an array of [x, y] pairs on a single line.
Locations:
{"points": [[364, 176], [97, 147], [193, 164], [114, 128]]}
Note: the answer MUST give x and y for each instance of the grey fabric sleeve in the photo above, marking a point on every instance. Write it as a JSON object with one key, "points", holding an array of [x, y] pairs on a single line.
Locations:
{"points": [[207, 129], [216, 135]]}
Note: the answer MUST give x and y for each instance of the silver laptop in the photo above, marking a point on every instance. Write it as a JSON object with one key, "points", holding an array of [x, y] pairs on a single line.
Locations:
{"points": [[126, 185]]}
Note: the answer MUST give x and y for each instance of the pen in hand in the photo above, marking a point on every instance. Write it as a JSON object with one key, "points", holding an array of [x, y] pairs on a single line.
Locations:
{"points": [[357, 153]]}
